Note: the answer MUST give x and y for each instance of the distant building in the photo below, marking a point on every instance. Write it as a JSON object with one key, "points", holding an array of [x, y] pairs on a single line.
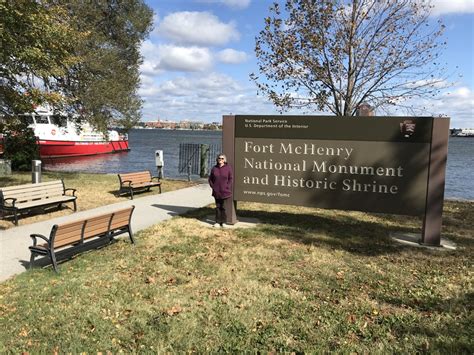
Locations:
{"points": [[184, 124], [161, 124]]}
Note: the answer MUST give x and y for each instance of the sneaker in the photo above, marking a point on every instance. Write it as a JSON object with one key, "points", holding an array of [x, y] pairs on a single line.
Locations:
{"points": [[215, 225], [223, 225]]}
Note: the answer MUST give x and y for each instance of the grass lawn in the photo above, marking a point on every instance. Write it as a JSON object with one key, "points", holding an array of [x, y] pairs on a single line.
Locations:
{"points": [[302, 280], [93, 190]]}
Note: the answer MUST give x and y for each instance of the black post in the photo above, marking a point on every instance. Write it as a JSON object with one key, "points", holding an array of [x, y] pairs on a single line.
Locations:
{"points": [[204, 172], [189, 171]]}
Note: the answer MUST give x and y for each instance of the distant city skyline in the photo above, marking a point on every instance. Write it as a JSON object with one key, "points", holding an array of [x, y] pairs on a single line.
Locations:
{"points": [[199, 56], [181, 124]]}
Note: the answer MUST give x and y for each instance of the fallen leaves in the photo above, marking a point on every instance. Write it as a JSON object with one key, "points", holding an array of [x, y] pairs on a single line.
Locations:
{"points": [[174, 310], [150, 280], [219, 292]]}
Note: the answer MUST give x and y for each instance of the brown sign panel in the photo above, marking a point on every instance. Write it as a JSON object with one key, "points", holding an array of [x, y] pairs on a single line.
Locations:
{"points": [[376, 164]]}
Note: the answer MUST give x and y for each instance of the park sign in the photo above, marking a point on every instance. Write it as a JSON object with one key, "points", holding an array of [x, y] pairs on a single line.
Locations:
{"points": [[372, 164]]}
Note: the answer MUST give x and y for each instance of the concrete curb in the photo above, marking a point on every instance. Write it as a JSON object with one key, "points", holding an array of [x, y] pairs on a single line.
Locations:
{"points": [[414, 239]]}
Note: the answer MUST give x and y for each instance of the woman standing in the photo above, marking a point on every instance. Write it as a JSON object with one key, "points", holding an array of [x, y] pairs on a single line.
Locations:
{"points": [[220, 181]]}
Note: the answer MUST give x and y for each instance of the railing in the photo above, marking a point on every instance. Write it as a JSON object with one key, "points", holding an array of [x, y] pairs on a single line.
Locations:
{"points": [[197, 159]]}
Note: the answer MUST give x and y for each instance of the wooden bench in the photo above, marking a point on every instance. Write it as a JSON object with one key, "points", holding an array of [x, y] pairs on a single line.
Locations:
{"points": [[71, 236], [19, 198], [137, 181]]}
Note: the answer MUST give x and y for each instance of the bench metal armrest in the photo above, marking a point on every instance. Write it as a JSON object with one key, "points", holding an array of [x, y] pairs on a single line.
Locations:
{"points": [[73, 191], [155, 177], [127, 182], [34, 236], [13, 200]]}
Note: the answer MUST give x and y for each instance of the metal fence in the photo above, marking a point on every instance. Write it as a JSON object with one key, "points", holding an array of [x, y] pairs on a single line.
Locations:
{"points": [[197, 159]]}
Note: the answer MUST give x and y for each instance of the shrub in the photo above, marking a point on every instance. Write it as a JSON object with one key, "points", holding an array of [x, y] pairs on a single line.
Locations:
{"points": [[20, 144]]}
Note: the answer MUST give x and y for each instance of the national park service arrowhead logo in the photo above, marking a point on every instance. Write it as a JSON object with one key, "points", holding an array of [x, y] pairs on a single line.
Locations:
{"points": [[407, 128]]}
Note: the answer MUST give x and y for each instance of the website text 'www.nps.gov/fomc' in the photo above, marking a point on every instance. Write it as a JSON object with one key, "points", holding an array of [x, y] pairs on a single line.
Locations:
{"points": [[269, 194]]}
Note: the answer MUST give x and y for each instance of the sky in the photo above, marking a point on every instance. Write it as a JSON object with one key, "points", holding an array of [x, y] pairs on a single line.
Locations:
{"points": [[198, 58]]}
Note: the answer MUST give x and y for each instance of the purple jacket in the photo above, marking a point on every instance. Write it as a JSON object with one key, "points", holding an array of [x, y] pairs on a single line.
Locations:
{"points": [[220, 181]]}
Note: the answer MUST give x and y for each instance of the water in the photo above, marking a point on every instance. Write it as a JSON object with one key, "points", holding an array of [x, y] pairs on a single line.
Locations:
{"points": [[144, 142], [460, 169]]}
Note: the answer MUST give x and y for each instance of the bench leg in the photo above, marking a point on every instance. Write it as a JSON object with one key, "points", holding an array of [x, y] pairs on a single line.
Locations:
{"points": [[32, 259], [159, 186], [16, 217], [131, 234], [75, 205], [53, 260], [131, 194]]}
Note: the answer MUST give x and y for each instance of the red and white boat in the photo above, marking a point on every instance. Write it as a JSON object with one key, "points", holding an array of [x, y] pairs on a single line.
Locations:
{"points": [[60, 137]]}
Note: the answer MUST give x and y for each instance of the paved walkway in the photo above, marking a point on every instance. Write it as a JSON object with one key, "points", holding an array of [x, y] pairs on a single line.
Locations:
{"points": [[149, 210]]}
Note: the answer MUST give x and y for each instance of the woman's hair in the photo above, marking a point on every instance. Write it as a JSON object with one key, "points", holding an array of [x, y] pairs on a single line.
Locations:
{"points": [[221, 155]]}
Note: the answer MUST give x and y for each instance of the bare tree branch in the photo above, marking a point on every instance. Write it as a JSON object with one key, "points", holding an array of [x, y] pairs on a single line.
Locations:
{"points": [[336, 54]]}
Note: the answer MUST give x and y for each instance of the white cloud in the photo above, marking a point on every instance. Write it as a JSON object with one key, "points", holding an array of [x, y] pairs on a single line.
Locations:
{"points": [[150, 53], [197, 28], [458, 104], [442, 7], [176, 58], [156, 18], [201, 97], [209, 85], [435, 83], [159, 58], [149, 68], [462, 93], [231, 56], [235, 4]]}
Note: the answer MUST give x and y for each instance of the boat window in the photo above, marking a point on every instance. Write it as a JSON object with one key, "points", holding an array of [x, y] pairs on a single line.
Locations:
{"points": [[59, 121], [42, 119], [28, 119]]}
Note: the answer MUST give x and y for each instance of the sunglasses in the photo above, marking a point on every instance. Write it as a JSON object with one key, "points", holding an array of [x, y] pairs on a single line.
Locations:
{"points": [[220, 158]]}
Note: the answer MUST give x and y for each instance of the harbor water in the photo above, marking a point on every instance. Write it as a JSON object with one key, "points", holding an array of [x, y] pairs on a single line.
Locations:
{"points": [[144, 142]]}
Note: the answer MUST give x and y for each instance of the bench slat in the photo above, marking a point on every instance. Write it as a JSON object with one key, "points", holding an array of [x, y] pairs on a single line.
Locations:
{"points": [[118, 223], [41, 185], [144, 184], [139, 176], [68, 233], [36, 195], [140, 181], [31, 186], [32, 191], [121, 218], [144, 172], [42, 202], [97, 226]]}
